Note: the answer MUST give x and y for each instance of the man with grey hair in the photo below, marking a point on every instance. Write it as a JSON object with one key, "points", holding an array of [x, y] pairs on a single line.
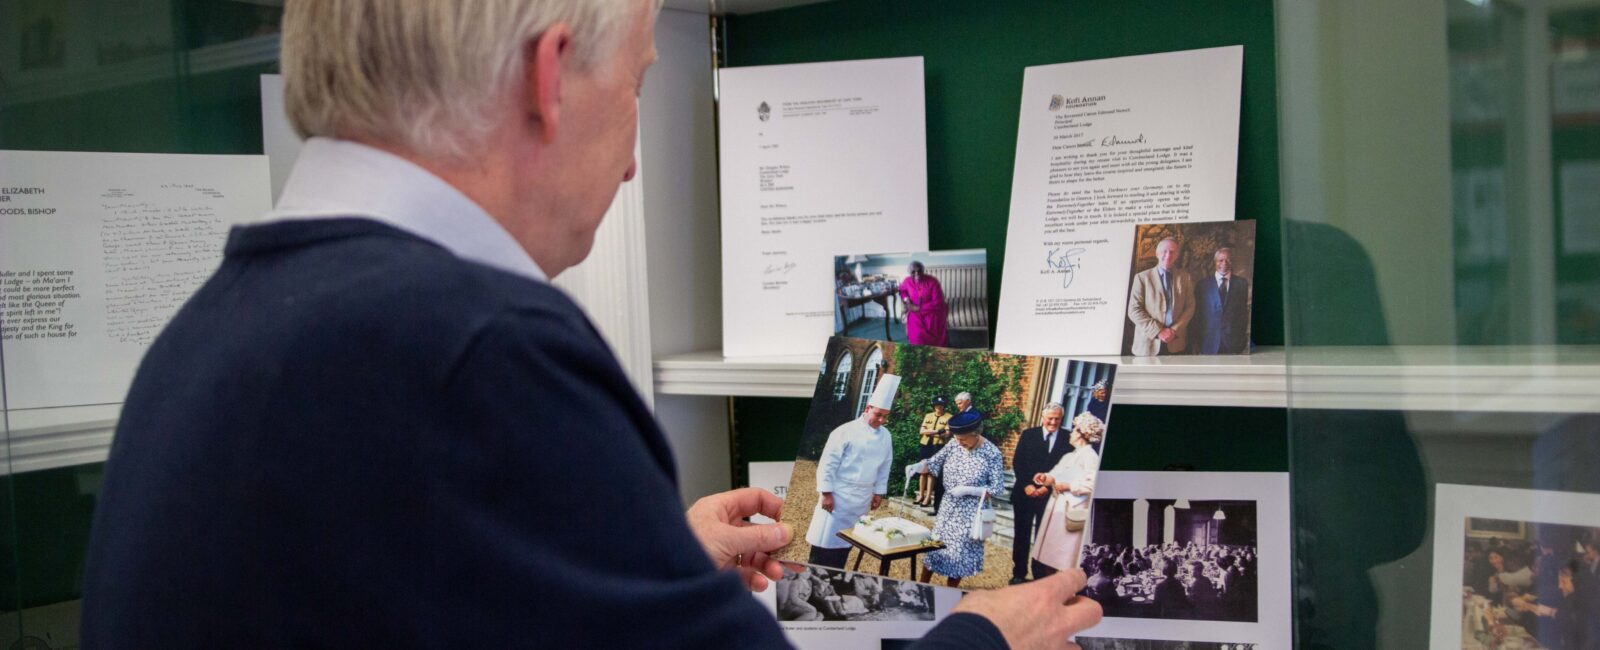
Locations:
{"points": [[378, 424], [1038, 450], [1160, 304]]}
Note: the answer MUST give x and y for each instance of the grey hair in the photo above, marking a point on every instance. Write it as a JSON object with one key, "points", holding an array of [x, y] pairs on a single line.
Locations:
{"points": [[1054, 406], [424, 74], [963, 396], [1165, 240]]}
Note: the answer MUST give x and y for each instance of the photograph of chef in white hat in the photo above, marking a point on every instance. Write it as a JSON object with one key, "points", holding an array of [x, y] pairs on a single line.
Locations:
{"points": [[852, 475]]}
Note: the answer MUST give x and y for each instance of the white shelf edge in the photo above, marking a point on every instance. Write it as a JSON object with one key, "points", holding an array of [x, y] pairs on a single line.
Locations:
{"points": [[1428, 378], [1525, 384]]}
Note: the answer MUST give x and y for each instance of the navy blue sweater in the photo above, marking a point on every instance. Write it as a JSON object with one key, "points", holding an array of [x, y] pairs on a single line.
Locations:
{"points": [[349, 437]]}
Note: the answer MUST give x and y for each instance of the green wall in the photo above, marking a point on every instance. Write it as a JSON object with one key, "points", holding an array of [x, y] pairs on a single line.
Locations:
{"points": [[45, 515], [974, 54]]}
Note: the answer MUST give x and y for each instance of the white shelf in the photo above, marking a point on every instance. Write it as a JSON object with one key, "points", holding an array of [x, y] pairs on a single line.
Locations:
{"points": [[1483, 379], [1517, 379], [1414, 378]]}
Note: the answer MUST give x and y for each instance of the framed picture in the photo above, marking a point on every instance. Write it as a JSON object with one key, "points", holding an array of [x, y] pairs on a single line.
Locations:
{"points": [[1514, 568], [1502, 528]]}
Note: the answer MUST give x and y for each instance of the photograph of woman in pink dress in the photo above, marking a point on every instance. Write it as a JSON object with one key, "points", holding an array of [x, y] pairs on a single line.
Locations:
{"points": [[926, 312], [933, 298]]}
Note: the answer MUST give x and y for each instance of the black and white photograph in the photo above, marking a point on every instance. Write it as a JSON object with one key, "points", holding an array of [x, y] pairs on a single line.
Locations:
{"points": [[1191, 557], [819, 594], [1525, 568], [1174, 558], [1097, 643]]}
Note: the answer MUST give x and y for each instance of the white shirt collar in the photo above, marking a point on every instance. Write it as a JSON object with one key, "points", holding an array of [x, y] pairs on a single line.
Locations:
{"points": [[1223, 279], [339, 178]]}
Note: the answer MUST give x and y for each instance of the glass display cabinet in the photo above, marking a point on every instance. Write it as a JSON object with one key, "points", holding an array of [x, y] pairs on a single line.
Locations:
{"points": [[1425, 178]]}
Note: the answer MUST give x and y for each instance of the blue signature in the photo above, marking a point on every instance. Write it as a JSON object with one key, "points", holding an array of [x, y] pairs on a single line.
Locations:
{"points": [[1066, 262]]}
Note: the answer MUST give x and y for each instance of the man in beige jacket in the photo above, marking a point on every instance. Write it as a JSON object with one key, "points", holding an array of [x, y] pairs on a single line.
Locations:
{"points": [[1160, 305]]}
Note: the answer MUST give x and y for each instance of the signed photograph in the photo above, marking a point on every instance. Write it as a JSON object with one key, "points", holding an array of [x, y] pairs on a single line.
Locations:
{"points": [[1189, 289], [956, 468], [930, 298], [1515, 568]]}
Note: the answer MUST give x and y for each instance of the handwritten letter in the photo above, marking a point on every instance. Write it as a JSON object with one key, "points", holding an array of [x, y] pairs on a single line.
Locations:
{"points": [[96, 253]]}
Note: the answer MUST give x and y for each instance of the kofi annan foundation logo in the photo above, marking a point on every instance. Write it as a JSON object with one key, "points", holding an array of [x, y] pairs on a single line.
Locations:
{"points": [[1056, 101], [764, 112]]}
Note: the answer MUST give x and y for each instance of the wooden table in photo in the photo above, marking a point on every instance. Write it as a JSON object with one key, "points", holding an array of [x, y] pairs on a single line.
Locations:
{"points": [[888, 556], [883, 298]]}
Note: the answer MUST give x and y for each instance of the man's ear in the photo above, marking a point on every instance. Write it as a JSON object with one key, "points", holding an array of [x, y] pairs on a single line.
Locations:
{"points": [[543, 59]]}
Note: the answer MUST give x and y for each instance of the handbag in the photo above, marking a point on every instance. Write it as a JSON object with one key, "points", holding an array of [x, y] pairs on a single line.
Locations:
{"points": [[982, 521], [1077, 517]]}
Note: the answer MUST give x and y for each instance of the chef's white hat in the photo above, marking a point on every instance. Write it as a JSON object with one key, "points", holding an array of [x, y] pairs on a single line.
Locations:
{"points": [[883, 395]]}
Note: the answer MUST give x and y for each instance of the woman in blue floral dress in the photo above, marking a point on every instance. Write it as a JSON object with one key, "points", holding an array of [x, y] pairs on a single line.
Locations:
{"points": [[970, 470]]}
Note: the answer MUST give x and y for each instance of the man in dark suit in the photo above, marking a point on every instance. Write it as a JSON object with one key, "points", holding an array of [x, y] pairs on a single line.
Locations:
{"points": [[1586, 584], [1222, 306], [1038, 450]]}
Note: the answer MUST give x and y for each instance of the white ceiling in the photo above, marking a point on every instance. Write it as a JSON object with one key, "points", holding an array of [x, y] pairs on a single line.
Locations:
{"points": [[734, 6]]}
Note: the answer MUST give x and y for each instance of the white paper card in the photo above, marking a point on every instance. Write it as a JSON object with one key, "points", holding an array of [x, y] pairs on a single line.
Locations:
{"points": [[772, 477], [817, 160], [1251, 505], [1523, 516], [868, 632], [1103, 145], [278, 139], [97, 250]]}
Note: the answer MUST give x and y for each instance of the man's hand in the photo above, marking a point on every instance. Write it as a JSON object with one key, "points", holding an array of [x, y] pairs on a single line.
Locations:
{"points": [[1165, 335], [733, 543], [1039, 614], [827, 501], [877, 499]]}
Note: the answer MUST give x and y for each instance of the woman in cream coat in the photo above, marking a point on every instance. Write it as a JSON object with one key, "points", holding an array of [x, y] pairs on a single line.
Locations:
{"points": [[1071, 482]]}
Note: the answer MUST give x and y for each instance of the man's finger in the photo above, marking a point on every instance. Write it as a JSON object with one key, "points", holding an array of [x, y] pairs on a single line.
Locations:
{"points": [[753, 579], [758, 538], [1063, 585], [744, 502], [755, 560], [1080, 614], [772, 568]]}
